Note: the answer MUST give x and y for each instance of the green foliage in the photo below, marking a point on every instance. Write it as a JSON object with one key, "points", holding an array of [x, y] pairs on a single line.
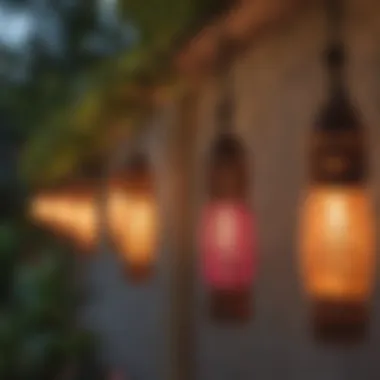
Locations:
{"points": [[38, 333], [158, 21], [68, 128], [70, 136], [161, 22]]}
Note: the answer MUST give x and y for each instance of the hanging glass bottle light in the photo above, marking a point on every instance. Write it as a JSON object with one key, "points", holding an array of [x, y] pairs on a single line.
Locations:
{"points": [[133, 217], [337, 223], [227, 229]]}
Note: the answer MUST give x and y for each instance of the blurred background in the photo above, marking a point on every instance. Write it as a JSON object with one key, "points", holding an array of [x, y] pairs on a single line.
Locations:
{"points": [[108, 110]]}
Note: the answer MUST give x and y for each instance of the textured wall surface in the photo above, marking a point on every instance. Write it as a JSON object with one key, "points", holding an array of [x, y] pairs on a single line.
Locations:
{"points": [[279, 86]]}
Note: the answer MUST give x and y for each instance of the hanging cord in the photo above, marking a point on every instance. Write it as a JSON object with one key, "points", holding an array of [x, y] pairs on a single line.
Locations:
{"points": [[225, 109], [335, 54], [228, 154], [334, 10], [340, 113]]}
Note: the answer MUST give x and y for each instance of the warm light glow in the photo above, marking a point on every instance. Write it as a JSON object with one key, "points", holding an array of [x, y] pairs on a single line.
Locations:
{"points": [[69, 215], [228, 244], [135, 226], [140, 234], [338, 243], [117, 210], [85, 226], [225, 232]]}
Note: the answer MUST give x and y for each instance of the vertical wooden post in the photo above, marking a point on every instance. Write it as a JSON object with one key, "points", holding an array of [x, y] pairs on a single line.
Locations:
{"points": [[183, 289]]}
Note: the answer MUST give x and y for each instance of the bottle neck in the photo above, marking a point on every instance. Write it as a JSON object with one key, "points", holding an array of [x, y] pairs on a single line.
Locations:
{"points": [[226, 103]]}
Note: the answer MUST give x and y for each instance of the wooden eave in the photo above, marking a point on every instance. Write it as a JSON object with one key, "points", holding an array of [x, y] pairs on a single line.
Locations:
{"points": [[241, 24]]}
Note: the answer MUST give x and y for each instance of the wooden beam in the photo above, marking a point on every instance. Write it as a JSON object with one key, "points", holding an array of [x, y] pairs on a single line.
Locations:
{"points": [[183, 284], [242, 23]]}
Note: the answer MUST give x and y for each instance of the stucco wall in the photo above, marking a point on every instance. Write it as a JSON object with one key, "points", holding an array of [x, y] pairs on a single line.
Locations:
{"points": [[279, 87]]}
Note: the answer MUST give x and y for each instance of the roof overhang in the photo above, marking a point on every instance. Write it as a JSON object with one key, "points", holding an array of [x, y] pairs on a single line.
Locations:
{"points": [[241, 24]]}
